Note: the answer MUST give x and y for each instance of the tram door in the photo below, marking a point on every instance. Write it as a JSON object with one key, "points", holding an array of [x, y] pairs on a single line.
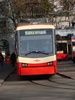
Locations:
{"points": [[62, 50]]}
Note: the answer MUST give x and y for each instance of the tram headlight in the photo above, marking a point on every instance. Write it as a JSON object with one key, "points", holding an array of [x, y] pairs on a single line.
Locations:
{"points": [[50, 63], [24, 64]]}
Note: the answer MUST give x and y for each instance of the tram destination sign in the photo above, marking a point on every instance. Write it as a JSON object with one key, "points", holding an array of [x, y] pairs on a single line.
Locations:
{"points": [[35, 32]]}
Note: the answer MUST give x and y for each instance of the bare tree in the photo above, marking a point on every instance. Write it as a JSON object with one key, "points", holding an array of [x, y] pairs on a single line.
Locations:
{"points": [[17, 9], [67, 9], [67, 4]]}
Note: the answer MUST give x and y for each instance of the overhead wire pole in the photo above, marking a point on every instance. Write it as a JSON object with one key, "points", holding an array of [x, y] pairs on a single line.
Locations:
{"points": [[32, 5]]}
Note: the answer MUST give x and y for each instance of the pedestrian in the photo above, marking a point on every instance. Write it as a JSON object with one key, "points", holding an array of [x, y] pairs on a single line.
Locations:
{"points": [[1, 60], [13, 59]]}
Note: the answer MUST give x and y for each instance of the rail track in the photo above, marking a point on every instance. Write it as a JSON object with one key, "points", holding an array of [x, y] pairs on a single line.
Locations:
{"points": [[59, 80]]}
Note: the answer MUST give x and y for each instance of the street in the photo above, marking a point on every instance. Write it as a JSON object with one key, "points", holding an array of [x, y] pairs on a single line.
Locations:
{"points": [[35, 35], [59, 87]]}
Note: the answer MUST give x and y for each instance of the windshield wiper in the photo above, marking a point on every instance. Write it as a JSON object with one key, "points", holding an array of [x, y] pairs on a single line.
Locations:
{"points": [[42, 52], [36, 52], [30, 52]]}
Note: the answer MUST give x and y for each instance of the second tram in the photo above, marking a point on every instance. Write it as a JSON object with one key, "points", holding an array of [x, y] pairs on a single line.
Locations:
{"points": [[73, 47], [64, 47], [62, 50]]}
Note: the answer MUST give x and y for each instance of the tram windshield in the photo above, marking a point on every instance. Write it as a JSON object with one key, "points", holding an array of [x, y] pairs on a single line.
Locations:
{"points": [[36, 41]]}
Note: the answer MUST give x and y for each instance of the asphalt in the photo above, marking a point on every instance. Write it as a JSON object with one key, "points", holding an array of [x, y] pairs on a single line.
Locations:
{"points": [[5, 71]]}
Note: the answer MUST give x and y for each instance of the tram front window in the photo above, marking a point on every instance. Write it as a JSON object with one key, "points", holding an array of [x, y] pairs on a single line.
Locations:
{"points": [[41, 43]]}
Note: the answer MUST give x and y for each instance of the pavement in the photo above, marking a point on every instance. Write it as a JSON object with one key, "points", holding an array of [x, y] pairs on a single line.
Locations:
{"points": [[5, 72]]}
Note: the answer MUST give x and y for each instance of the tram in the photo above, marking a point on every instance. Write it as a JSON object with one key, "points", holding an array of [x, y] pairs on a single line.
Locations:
{"points": [[63, 45], [73, 47], [36, 51], [62, 50]]}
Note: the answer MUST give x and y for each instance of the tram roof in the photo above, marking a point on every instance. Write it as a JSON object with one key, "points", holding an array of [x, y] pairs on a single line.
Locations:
{"points": [[34, 24]]}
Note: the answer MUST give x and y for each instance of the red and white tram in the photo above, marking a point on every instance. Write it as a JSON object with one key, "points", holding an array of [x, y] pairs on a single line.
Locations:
{"points": [[35, 45], [73, 48], [62, 49]]}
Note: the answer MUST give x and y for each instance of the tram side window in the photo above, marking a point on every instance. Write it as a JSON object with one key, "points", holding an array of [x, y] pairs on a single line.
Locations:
{"points": [[62, 47]]}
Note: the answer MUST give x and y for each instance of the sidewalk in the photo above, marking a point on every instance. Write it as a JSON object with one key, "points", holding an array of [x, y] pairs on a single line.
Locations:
{"points": [[5, 72]]}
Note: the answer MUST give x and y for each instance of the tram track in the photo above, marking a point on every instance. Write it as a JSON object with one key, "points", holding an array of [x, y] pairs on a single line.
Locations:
{"points": [[48, 82], [57, 80], [65, 76]]}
